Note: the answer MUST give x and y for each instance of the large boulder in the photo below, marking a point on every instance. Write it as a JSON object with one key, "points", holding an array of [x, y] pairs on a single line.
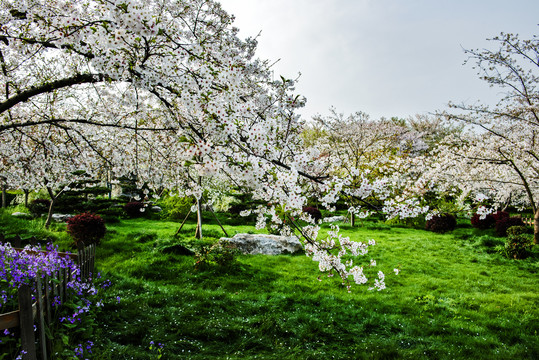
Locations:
{"points": [[338, 218], [61, 217], [264, 244], [21, 215]]}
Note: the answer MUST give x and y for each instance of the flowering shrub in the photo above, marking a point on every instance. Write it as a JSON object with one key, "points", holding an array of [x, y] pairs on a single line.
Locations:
{"points": [[314, 212], [441, 223], [518, 242], [134, 209], [488, 222], [505, 223], [86, 228], [24, 267], [39, 206]]}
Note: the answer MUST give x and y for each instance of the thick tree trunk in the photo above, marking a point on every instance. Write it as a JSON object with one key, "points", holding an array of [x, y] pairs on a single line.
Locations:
{"points": [[353, 220], [536, 227], [26, 193]]}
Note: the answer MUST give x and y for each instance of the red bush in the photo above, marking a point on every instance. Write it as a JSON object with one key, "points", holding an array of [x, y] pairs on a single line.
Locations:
{"points": [[133, 208], [441, 223], [485, 223], [314, 212], [86, 228], [505, 223], [498, 215]]}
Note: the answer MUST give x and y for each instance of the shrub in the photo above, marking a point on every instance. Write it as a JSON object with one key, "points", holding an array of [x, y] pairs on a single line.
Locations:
{"points": [[221, 254], [499, 215], [518, 242], [505, 223], [39, 206], [486, 223], [86, 228], [134, 209], [175, 207], [441, 223], [314, 212]]}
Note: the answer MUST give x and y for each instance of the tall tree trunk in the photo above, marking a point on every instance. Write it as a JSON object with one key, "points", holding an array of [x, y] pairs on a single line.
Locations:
{"points": [[198, 233], [26, 193], [353, 219], [51, 207], [4, 195], [49, 214], [536, 227]]}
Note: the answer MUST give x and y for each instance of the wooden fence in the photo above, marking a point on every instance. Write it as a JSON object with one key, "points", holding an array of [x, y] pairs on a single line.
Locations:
{"points": [[40, 312], [527, 220]]}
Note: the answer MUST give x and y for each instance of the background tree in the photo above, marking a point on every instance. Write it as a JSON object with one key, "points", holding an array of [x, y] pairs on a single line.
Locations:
{"points": [[499, 152]]}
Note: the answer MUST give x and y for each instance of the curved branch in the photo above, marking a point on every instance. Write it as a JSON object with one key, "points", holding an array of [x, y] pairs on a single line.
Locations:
{"points": [[51, 86]]}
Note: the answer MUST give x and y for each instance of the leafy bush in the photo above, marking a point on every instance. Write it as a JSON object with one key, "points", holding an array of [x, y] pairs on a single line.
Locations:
{"points": [[486, 223], [86, 228], [175, 207], [221, 254], [314, 212], [134, 209], [518, 242], [505, 223], [39, 206], [441, 223], [499, 215]]}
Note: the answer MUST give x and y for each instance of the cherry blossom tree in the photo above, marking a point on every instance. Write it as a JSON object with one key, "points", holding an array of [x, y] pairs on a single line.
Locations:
{"points": [[160, 89], [382, 152], [499, 154]]}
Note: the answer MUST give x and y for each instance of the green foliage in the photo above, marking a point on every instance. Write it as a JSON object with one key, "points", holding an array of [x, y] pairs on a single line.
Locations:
{"points": [[175, 208], [39, 206], [416, 223], [221, 254], [505, 223], [450, 300], [518, 243]]}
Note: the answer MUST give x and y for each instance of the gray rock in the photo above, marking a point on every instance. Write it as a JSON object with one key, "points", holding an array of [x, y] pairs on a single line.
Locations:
{"points": [[61, 217], [264, 244], [334, 219], [21, 215]]}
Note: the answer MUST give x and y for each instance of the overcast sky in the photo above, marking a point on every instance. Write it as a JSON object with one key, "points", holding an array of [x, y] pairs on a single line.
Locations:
{"points": [[383, 57]]}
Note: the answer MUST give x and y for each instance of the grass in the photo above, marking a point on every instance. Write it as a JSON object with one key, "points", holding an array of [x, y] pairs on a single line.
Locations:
{"points": [[455, 298]]}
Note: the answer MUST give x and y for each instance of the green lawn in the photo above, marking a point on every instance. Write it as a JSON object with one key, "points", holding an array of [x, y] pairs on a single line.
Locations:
{"points": [[455, 298]]}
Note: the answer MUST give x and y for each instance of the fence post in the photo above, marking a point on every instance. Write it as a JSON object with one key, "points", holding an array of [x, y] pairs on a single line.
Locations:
{"points": [[26, 317], [41, 319]]}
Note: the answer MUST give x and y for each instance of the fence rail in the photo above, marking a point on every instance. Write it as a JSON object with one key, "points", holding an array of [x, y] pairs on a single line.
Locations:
{"points": [[40, 312], [528, 220]]}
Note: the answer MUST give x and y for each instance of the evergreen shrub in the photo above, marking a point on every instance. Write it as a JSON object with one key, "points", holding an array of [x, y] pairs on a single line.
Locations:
{"points": [[39, 206], [518, 242]]}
